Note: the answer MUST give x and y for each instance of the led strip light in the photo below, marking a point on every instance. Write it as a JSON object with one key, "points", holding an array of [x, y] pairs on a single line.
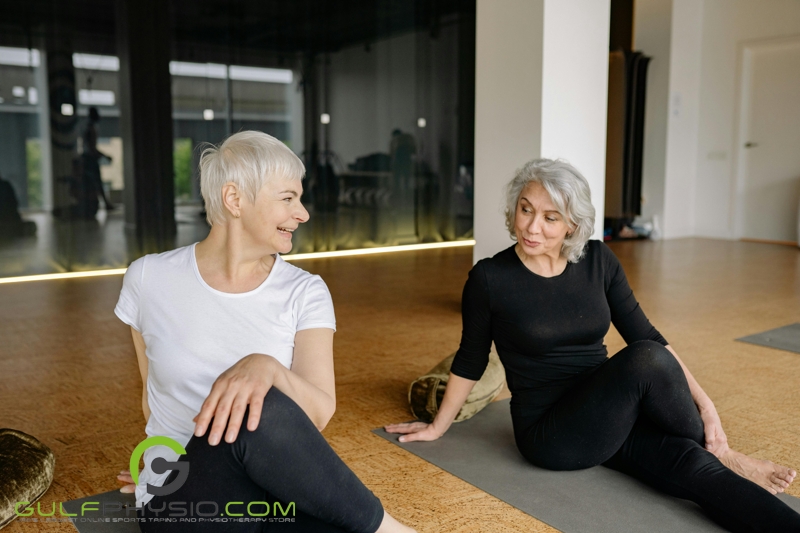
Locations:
{"points": [[298, 257]]}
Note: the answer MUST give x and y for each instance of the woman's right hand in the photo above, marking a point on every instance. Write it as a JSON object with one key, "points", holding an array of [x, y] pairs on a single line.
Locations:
{"points": [[414, 431], [125, 477], [455, 394]]}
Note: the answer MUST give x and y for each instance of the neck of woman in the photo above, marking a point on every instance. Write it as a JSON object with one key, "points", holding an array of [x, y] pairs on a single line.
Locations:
{"points": [[547, 265], [227, 258]]}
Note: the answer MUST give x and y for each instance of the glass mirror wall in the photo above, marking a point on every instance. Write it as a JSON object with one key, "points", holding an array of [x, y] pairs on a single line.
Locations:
{"points": [[376, 97]]}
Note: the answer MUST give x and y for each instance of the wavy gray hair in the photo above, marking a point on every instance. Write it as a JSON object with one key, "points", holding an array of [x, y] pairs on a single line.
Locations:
{"points": [[570, 193], [249, 159]]}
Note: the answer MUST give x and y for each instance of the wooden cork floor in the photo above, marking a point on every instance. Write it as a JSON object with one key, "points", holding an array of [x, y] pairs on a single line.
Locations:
{"points": [[68, 371]]}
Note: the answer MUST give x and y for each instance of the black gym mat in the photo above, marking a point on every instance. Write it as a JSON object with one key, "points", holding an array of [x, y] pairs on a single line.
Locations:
{"points": [[783, 338], [115, 513], [482, 452]]}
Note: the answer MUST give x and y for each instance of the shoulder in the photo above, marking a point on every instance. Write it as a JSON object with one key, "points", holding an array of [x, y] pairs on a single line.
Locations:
{"points": [[153, 264], [498, 262], [294, 277], [499, 268], [598, 252]]}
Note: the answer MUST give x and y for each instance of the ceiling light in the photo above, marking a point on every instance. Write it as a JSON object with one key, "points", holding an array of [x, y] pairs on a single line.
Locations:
{"points": [[67, 110], [268, 75], [198, 70], [18, 91], [421, 122], [95, 62], [325, 118], [92, 97], [208, 114], [19, 57]]}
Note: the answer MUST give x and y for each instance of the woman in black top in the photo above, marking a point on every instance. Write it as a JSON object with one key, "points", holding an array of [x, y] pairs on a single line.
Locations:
{"points": [[547, 303]]}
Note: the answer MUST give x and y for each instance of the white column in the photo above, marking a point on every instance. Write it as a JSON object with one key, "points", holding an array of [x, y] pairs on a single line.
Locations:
{"points": [[685, 75], [575, 90], [540, 91]]}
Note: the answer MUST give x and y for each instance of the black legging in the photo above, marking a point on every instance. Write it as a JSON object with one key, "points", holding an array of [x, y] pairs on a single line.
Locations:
{"points": [[634, 413], [284, 460]]}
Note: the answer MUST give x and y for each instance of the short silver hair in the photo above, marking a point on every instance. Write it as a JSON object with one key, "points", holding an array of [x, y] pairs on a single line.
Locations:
{"points": [[249, 159], [569, 192]]}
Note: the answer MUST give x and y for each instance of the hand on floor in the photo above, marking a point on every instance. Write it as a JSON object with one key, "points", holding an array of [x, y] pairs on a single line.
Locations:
{"points": [[414, 431]]}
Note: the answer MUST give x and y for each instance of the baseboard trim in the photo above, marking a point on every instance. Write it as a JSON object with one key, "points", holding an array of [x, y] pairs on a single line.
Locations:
{"points": [[770, 241]]}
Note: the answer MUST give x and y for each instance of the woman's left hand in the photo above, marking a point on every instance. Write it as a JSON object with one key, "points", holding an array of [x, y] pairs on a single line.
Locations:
{"points": [[245, 383], [716, 440]]}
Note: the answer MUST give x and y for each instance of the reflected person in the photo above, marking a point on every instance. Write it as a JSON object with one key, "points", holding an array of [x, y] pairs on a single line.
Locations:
{"points": [[91, 161], [547, 303]]}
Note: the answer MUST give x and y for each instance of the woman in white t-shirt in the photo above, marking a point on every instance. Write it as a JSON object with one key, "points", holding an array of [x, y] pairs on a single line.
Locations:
{"points": [[228, 334]]}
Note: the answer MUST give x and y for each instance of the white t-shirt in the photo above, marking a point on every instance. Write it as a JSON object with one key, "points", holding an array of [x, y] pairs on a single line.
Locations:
{"points": [[193, 333]]}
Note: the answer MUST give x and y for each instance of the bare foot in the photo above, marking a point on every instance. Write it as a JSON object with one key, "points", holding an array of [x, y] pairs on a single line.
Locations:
{"points": [[774, 478]]}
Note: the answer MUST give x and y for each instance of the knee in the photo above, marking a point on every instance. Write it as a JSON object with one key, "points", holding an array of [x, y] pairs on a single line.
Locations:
{"points": [[651, 360], [281, 421]]}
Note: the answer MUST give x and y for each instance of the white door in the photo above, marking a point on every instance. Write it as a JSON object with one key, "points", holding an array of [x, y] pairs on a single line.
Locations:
{"points": [[768, 199]]}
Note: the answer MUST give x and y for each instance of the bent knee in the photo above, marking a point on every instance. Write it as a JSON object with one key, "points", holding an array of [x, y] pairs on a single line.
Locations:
{"points": [[650, 359], [278, 408], [281, 418]]}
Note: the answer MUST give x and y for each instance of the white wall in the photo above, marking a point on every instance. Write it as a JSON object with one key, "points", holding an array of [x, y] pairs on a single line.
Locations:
{"points": [[508, 108], [691, 128], [726, 25], [540, 91]]}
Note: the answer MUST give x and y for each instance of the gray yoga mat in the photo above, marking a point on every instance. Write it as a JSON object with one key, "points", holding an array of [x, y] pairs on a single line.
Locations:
{"points": [[783, 338], [482, 452], [95, 521]]}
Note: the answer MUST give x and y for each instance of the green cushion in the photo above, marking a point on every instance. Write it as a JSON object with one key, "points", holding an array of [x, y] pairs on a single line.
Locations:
{"points": [[26, 471], [426, 392]]}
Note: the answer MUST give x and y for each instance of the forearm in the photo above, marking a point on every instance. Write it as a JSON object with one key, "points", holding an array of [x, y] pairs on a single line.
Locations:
{"points": [[316, 403], [701, 399], [455, 394]]}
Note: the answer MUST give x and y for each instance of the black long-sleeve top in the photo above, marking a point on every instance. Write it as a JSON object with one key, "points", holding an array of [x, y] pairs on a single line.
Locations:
{"points": [[547, 331]]}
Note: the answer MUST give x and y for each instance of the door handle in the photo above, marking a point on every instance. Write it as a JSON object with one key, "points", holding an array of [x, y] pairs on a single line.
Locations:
{"points": [[750, 145]]}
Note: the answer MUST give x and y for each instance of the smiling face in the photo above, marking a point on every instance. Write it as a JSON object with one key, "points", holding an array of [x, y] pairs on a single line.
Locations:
{"points": [[539, 227], [276, 213]]}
